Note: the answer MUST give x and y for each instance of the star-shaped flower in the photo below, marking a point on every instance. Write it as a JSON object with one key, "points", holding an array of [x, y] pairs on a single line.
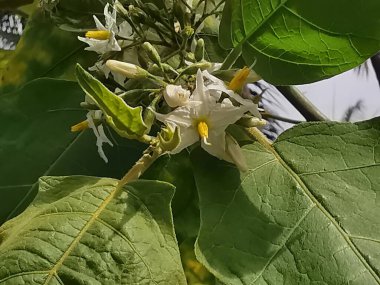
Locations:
{"points": [[204, 119], [103, 39]]}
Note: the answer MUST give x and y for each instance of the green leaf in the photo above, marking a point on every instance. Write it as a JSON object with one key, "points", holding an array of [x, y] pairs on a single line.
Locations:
{"points": [[85, 230], [75, 14], [306, 211], [43, 51], [36, 140], [297, 42], [177, 170], [125, 120]]}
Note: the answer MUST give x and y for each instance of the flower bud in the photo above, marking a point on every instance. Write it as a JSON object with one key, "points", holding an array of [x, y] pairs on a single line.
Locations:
{"points": [[192, 69], [176, 96], [199, 50], [128, 69], [152, 53]]}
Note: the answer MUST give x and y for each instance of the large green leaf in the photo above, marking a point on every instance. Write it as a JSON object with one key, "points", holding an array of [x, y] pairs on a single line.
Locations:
{"points": [[36, 140], [298, 42], [124, 119], [177, 170], [85, 230], [306, 211], [43, 51]]}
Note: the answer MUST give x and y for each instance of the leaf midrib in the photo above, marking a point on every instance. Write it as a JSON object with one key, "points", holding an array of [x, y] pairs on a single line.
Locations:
{"points": [[53, 271], [267, 145]]}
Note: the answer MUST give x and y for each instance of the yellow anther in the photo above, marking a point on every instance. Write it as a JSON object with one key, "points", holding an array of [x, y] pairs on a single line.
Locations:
{"points": [[98, 35], [203, 131], [80, 126], [239, 79]]}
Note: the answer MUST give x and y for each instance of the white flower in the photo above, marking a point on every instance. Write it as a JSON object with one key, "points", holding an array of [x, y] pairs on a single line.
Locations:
{"points": [[101, 137], [203, 118], [176, 96], [217, 87], [103, 39]]}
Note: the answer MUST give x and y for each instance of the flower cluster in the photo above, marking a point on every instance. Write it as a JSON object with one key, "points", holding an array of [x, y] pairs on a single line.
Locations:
{"points": [[167, 76], [205, 115]]}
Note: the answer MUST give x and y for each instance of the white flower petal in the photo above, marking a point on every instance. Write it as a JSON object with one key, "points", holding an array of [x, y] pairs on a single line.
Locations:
{"points": [[99, 133], [216, 145], [179, 117], [125, 30], [99, 25], [225, 114], [235, 153], [189, 136]]}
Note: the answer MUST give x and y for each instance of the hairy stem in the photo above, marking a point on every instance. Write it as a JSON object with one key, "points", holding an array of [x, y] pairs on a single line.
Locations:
{"points": [[147, 159]]}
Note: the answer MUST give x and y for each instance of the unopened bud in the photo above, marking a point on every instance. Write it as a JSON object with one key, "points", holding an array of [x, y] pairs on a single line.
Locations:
{"points": [[192, 69], [120, 8], [137, 13], [128, 69], [199, 50], [152, 53]]}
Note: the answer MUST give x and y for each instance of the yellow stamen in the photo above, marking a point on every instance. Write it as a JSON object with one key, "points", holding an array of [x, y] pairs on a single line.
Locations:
{"points": [[203, 131], [98, 35], [239, 79], [80, 126]]}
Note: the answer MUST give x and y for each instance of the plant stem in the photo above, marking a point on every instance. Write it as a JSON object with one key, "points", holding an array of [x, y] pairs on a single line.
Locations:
{"points": [[279, 118], [302, 104], [256, 134], [147, 159], [231, 58]]}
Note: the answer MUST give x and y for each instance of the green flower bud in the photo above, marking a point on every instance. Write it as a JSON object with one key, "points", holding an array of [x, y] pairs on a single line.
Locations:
{"points": [[192, 69], [199, 50], [152, 53], [155, 70]]}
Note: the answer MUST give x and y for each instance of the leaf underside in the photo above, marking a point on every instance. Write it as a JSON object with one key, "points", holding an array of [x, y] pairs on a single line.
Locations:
{"points": [[296, 42], [306, 212], [84, 230]]}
